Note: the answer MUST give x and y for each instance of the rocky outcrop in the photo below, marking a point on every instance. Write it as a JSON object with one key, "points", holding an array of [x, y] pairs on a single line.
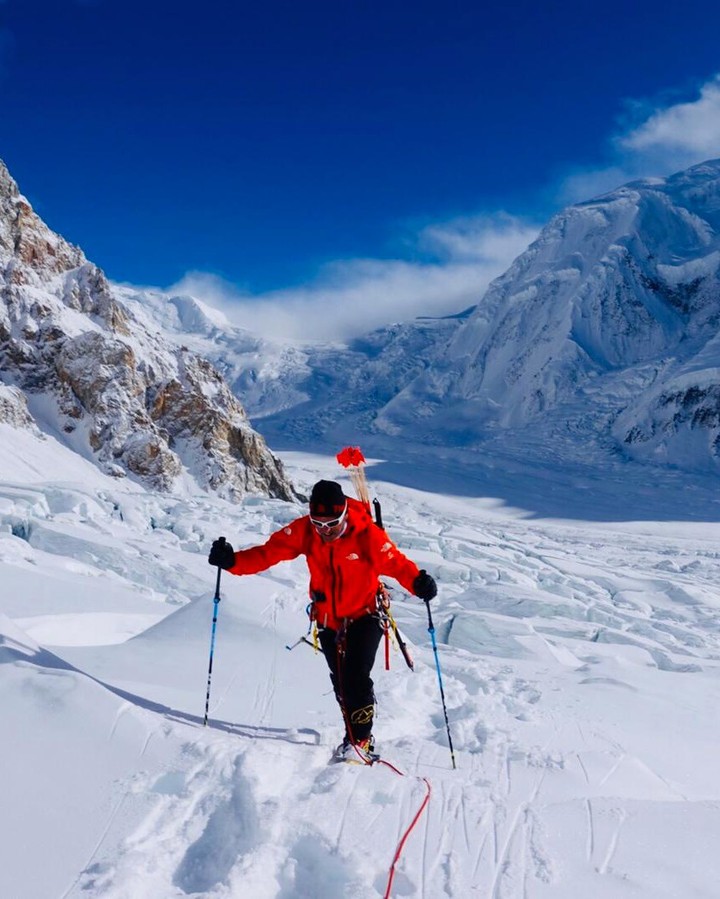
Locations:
{"points": [[30, 251], [14, 410], [141, 405]]}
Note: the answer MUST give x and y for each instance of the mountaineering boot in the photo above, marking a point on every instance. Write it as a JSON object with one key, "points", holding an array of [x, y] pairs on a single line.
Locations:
{"points": [[362, 753]]}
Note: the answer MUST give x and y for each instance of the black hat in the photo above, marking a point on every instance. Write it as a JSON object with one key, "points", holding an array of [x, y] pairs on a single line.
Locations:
{"points": [[327, 498]]}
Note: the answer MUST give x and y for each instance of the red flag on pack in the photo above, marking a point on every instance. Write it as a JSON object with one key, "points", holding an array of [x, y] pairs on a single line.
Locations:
{"points": [[352, 458]]}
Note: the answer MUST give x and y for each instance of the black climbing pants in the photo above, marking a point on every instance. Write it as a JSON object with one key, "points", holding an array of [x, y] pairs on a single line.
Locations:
{"points": [[350, 655]]}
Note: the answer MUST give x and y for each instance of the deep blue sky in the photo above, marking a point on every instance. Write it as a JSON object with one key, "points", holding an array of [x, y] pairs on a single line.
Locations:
{"points": [[259, 140]]}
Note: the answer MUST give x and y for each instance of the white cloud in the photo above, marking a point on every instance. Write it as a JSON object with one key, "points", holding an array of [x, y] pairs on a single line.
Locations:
{"points": [[666, 139], [687, 130], [351, 297], [449, 265]]}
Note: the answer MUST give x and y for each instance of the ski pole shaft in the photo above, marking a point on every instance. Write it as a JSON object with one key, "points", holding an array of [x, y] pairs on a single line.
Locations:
{"points": [[216, 601], [431, 630]]}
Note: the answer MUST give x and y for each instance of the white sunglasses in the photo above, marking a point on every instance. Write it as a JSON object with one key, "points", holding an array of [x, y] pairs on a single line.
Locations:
{"points": [[329, 525]]}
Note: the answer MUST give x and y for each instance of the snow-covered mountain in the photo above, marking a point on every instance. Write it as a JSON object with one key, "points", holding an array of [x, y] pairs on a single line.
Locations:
{"points": [[78, 364], [607, 323], [602, 336], [299, 392]]}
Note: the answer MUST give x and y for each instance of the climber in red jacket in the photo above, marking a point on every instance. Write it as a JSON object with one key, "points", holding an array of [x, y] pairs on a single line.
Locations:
{"points": [[346, 553]]}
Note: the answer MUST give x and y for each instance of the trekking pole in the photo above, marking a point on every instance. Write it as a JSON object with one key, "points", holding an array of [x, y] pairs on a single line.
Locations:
{"points": [[216, 601], [431, 630]]}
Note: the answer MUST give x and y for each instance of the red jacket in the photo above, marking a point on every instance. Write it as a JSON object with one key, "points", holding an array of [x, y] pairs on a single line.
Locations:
{"points": [[343, 573]]}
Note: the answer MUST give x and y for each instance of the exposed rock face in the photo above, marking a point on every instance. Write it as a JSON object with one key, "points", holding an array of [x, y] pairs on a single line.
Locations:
{"points": [[30, 251], [14, 410], [180, 407], [139, 404]]}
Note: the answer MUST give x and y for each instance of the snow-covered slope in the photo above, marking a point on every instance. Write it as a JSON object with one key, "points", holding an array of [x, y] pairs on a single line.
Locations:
{"points": [[93, 375], [580, 665]]}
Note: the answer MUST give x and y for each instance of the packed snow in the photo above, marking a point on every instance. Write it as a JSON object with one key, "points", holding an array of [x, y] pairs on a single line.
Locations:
{"points": [[579, 659]]}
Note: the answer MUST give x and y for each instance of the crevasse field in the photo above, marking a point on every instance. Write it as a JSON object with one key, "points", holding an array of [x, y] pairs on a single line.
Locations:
{"points": [[580, 657]]}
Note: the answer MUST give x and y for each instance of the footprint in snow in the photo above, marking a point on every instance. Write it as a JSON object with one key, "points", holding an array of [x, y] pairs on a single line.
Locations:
{"points": [[231, 831], [314, 871]]}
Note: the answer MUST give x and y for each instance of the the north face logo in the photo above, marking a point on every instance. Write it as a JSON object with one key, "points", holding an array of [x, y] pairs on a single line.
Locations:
{"points": [[352, 557]]}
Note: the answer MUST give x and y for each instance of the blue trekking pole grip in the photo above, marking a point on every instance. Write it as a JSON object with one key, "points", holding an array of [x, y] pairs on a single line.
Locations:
{"points": [[216, 601], [431, 631]]}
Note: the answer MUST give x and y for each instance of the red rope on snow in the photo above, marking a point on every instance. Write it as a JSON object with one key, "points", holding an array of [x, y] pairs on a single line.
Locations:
{"points": [[401, 844], [428, 788]]}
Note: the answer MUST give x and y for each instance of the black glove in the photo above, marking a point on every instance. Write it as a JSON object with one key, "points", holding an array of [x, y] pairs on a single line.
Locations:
{"points": [[222, 554], [424, 586]]}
